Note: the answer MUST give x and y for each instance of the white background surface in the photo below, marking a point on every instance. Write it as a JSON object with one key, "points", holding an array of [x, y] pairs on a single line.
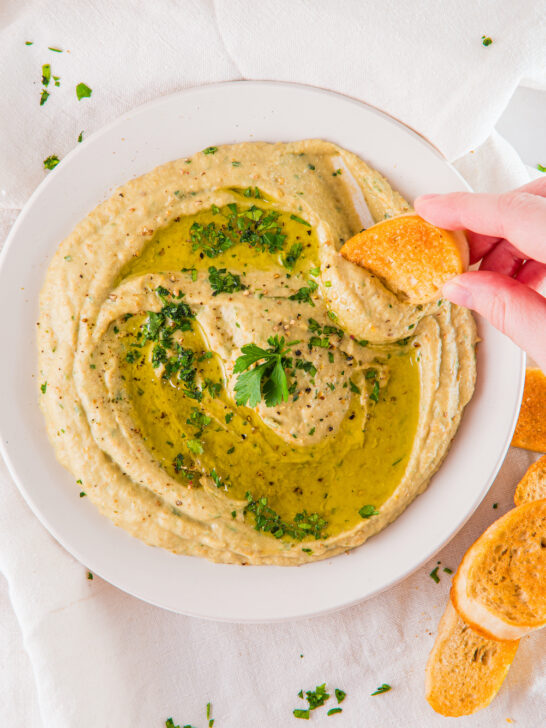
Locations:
{"points": [[132, 52]]}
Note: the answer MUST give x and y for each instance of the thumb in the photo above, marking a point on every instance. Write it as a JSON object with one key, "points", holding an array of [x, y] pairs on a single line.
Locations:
{"points": [[512, 307]]}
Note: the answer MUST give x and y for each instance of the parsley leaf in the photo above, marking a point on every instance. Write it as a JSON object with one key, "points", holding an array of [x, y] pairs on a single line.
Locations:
{"points": [[268, 379], [300, 220], [210, 150]]}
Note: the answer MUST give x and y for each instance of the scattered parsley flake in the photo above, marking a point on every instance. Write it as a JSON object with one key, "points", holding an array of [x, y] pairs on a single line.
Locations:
{"points": [[448, 570], [235, 164], [90, 576], [83, 91], [55, 50], [44, 96], [29, 42], [43, 387], [82, 493], [495, 505], [46, 74], [80, 137], [300, 220], [382, 689], [333, 711], [486, 40], [340, 695], [301, 713], [434, 575], [291, 258], [210, 150], [368, 511], [541, 168], [51, 162]]}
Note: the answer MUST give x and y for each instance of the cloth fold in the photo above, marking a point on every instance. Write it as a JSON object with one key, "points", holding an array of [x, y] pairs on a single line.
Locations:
{"points": [[98, 656]]}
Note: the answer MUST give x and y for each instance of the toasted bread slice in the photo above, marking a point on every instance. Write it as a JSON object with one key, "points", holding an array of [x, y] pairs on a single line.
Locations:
{"points": [[412, 257], [530, 430], [464, 670], [500, 587], [533, 484]]}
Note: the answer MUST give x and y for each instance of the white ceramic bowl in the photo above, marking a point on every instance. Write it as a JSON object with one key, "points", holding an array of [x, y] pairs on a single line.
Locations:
{"points": [[177, 126]]}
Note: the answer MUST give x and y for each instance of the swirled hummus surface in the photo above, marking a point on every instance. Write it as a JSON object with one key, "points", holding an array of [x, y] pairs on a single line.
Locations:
{"points": [[222, 383]]}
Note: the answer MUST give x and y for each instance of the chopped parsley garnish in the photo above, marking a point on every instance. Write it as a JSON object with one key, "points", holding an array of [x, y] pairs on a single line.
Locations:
{"points": [[252, 192], [495, 505], [541, 168], [353, 387], [382, 689], [83, 91], [291, 258], [434, 575], [266, 380], [314, 271], [51, 162], [29, 42], [303, 295], [229, 417], [322, 331], [336, 173], [43, 387], [178, 462], [218, 482], [267, 520], [235, 163], [300, 220], [199, 420], [210, 150], [82, 493], [448, 570], [254, 226], [317, 698], [374, 394], [46, 74], [486, 40], [44, 97], [222, 281], [368, 511], [80, 136], [55, 50], [89, 576]]}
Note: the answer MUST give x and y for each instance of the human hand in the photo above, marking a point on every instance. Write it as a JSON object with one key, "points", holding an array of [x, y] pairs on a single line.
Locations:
{"points": [[507, 233]]}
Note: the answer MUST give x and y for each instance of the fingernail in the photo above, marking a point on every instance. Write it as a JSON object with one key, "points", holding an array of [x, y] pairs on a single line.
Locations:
{"points": [[424, 198], [457, 294]]}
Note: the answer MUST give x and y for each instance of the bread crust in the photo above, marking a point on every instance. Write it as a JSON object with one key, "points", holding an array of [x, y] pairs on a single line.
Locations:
{"points": [[530, 432]]}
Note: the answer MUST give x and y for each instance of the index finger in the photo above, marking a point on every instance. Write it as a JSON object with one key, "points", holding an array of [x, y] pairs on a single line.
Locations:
{"points": [[518, 216]]}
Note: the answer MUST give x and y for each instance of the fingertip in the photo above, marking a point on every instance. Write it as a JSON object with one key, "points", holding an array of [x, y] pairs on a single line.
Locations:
{"points": [[456, 292]]}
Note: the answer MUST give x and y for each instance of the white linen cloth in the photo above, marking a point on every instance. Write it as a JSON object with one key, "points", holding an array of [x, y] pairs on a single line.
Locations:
{"points": [[99, 657]]}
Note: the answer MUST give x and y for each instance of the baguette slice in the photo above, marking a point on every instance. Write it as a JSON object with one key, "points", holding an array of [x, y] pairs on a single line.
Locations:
{"points": [[412, 257], [500, 587], [530, 432], [464, 670], [533, 484]]}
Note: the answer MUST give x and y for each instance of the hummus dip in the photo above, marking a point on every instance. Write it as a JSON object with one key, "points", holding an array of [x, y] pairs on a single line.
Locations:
{"points": [[222, 383]]}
